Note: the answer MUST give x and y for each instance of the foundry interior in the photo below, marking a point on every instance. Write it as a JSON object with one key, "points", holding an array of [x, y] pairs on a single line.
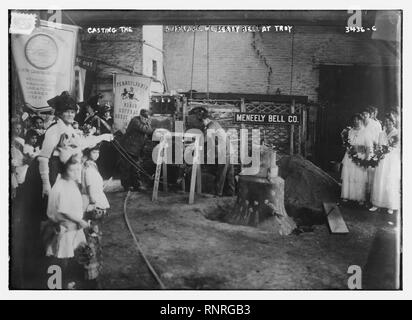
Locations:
{"points": [[280, 87]]}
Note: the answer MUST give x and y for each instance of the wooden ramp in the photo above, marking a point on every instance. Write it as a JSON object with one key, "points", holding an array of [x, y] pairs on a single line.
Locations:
{"points": [[335, 220]]}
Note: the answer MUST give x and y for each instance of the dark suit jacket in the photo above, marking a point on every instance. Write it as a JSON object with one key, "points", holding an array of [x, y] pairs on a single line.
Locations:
{"points": [[136, 134]]}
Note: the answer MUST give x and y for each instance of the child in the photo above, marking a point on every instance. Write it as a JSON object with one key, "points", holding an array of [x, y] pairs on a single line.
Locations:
{"points": [[31, 149], [95, 205], [76, 128], [386, 186], [18, 166], [64, 209], [92, 181]]}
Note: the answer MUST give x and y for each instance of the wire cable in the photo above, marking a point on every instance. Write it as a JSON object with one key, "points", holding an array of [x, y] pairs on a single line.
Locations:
{"points": [[139, 248], [193, 63]]}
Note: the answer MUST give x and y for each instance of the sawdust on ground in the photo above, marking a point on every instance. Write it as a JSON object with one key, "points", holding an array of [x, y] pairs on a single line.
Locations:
{"points": [[190, 251]]}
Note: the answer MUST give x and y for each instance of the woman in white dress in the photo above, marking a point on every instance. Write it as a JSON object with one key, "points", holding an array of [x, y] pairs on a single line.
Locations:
{"points": [[354, 175], [386, 186]]}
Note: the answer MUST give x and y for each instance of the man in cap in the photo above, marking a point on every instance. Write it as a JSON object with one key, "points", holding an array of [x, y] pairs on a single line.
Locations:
{"points": [[137, 132], [217, 142], [101, 119], [107, 115]]}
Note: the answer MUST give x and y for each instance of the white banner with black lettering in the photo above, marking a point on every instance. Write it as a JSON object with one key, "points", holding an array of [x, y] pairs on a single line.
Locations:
{"points": [[45, 62], [131, 94]]}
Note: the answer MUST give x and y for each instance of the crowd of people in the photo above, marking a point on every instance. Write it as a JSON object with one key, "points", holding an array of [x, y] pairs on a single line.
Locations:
{"points": [[371, 167], [58, 196]]}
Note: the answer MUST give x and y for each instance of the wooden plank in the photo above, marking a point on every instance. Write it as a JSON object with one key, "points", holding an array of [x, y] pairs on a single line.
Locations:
{"points": [[156, 182], [334, 217], [243, 126], [194, 173], [192, 184], [159, 162], [165, 176], [199, 179]]}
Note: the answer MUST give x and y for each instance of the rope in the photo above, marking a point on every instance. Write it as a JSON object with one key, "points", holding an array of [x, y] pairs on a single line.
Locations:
{"points": [[193, 63], [139, 248], [291, 62], [207, 69], [133, 163], [165, 80]]}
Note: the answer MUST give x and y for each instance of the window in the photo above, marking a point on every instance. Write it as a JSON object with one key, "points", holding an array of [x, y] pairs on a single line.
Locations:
{"points": [[154, 68]]}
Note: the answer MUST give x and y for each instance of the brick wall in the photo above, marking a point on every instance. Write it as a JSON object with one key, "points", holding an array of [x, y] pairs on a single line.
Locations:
{"points": [[122, 49], [261, 62], [152, 50]]}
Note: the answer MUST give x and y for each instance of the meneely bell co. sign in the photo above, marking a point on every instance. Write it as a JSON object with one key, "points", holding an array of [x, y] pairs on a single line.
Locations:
{"points": [[266, 118]]}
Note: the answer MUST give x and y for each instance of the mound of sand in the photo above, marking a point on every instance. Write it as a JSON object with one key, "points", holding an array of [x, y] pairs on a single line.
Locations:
{"points": [[306, 185]]}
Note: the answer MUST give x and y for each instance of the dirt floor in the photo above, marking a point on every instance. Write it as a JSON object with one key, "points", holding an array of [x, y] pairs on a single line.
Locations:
{"points": [[190, 251]]}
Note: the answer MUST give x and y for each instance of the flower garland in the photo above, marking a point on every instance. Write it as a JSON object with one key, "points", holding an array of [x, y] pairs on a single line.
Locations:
{"points": [[379, 151]]}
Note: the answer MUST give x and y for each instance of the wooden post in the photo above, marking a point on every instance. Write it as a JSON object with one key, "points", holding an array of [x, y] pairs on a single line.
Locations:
{"points": [[300, 133], [194, 172], [159, 162], [292, 129], [304, 129], [242, 126], [199, 179], [184, 111], [157, 177], [165, 176]]}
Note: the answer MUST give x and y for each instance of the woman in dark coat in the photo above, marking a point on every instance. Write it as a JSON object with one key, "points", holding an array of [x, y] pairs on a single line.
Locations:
{"points": [[60, 142]]}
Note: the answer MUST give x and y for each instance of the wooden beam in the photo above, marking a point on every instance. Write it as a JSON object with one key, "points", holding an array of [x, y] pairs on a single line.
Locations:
{"points": [[113, 18], [199, 179], [334, 218], [194, 172], [248, 97], [165, 189]]}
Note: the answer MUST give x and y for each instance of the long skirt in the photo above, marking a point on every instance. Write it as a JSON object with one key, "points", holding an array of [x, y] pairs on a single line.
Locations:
{"points": [[387, 182], [108, 160], [354, 180], [30, 209]]}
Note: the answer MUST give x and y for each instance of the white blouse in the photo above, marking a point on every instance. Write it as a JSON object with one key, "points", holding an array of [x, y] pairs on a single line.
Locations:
{"points": [[92, 182]]}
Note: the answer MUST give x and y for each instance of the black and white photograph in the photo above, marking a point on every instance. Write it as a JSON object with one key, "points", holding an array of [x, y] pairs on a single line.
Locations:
{"points": [[205, 149]]}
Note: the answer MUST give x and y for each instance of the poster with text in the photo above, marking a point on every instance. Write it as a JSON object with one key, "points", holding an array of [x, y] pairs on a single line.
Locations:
{"points": [[45, 62], [131, 95]]}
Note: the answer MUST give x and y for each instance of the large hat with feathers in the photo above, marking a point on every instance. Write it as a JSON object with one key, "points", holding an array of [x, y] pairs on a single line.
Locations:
{"points": [[63, 103]]}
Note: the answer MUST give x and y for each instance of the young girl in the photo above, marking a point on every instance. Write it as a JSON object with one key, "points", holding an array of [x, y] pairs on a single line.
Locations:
{"points": [[92, 181], [354, 175], [95, 205], [18, 165], [386, 186], [65, 210], [31, 149]]}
